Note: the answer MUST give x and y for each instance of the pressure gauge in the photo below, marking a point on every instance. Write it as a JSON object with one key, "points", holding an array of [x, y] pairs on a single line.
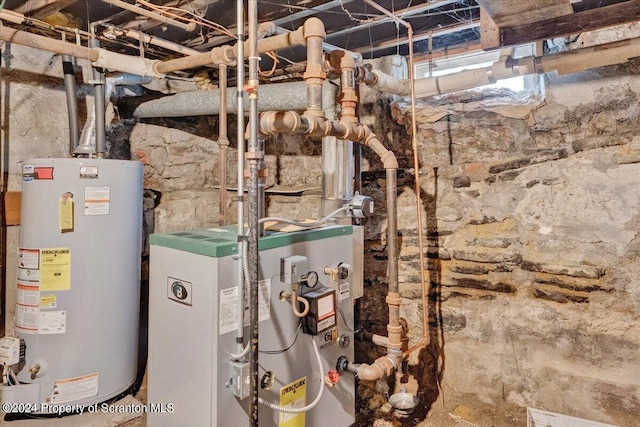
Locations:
{"points": [[312, 279]]}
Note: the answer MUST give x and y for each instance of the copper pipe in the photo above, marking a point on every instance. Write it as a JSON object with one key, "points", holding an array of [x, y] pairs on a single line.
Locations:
{"points": [[223, 144], [416, 166]]}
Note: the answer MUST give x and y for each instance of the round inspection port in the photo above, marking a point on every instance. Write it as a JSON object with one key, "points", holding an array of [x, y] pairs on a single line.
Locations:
{"points": [[267, 380]]}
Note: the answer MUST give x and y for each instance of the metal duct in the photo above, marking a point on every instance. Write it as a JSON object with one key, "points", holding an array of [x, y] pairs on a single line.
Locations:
{"points": [[72, 101], [273, 97]]}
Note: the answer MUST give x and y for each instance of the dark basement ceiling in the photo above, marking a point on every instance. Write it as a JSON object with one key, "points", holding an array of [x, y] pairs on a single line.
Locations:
{"points": [[438, 25]]}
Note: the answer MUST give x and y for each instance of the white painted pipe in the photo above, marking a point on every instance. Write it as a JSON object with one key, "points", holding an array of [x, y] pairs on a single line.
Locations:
{"points": [[506, 67]]}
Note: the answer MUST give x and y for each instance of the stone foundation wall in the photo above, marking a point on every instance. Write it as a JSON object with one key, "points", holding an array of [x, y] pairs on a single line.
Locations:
{"points": [[532, 241], [531, 224]]}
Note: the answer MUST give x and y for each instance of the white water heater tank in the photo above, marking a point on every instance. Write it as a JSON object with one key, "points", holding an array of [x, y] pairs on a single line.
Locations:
{"points": [[78, 285]]}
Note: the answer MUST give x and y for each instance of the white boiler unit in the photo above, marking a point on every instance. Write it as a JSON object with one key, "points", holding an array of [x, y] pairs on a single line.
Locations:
{"points": [[78, 283]]}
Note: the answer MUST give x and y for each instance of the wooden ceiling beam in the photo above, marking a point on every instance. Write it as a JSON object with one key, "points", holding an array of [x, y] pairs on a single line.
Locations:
{"points": [[42, 8], [560, 26]]}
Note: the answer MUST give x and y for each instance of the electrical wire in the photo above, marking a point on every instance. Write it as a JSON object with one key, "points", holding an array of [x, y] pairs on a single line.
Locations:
{"points": [[308, 407], [353, 18], [295, 338], [344, 320], [304, 224], [270, 73]]}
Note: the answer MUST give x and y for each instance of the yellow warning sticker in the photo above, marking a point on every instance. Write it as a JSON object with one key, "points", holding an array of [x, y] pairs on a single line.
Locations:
{"points": [[65, 212], [48, 301], [293, 395], [55, 269]]}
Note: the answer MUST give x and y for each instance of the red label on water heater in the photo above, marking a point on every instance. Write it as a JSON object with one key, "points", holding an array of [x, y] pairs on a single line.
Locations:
{"points": [[43, 172]]}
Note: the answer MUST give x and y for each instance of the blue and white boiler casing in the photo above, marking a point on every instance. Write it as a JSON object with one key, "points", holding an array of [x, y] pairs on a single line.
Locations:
{"points": [[78, 286]]}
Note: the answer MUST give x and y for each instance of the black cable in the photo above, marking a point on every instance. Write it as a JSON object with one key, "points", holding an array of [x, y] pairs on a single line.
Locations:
{"points": [[285, 349], [344, 320]]}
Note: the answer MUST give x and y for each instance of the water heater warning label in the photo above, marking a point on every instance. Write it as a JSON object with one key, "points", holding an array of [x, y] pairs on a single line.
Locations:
{"points": [[72, 389], [97, 200]]}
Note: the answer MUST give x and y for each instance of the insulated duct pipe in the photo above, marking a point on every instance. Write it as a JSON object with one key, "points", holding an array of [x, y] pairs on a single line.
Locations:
{"points": [[563, 62], [255, 157], [273, 97], [72, 101], [98, 57]]}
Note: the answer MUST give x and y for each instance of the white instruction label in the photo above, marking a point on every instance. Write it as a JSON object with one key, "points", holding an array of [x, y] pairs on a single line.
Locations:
{"points": [[264, 300], [97, 200], [26, 318], [344, 291], [28, 294], [227, 310], [77, 388], [53, 322], [229, 306]]}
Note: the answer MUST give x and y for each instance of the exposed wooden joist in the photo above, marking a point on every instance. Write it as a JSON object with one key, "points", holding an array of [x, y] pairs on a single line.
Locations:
{"points": [[506, 13], [42, 8], [489, 31], [588, 20]]}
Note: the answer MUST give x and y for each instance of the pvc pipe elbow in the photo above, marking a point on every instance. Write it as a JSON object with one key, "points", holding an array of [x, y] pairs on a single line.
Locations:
{"points": [[313, 27], [381, 368]]}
